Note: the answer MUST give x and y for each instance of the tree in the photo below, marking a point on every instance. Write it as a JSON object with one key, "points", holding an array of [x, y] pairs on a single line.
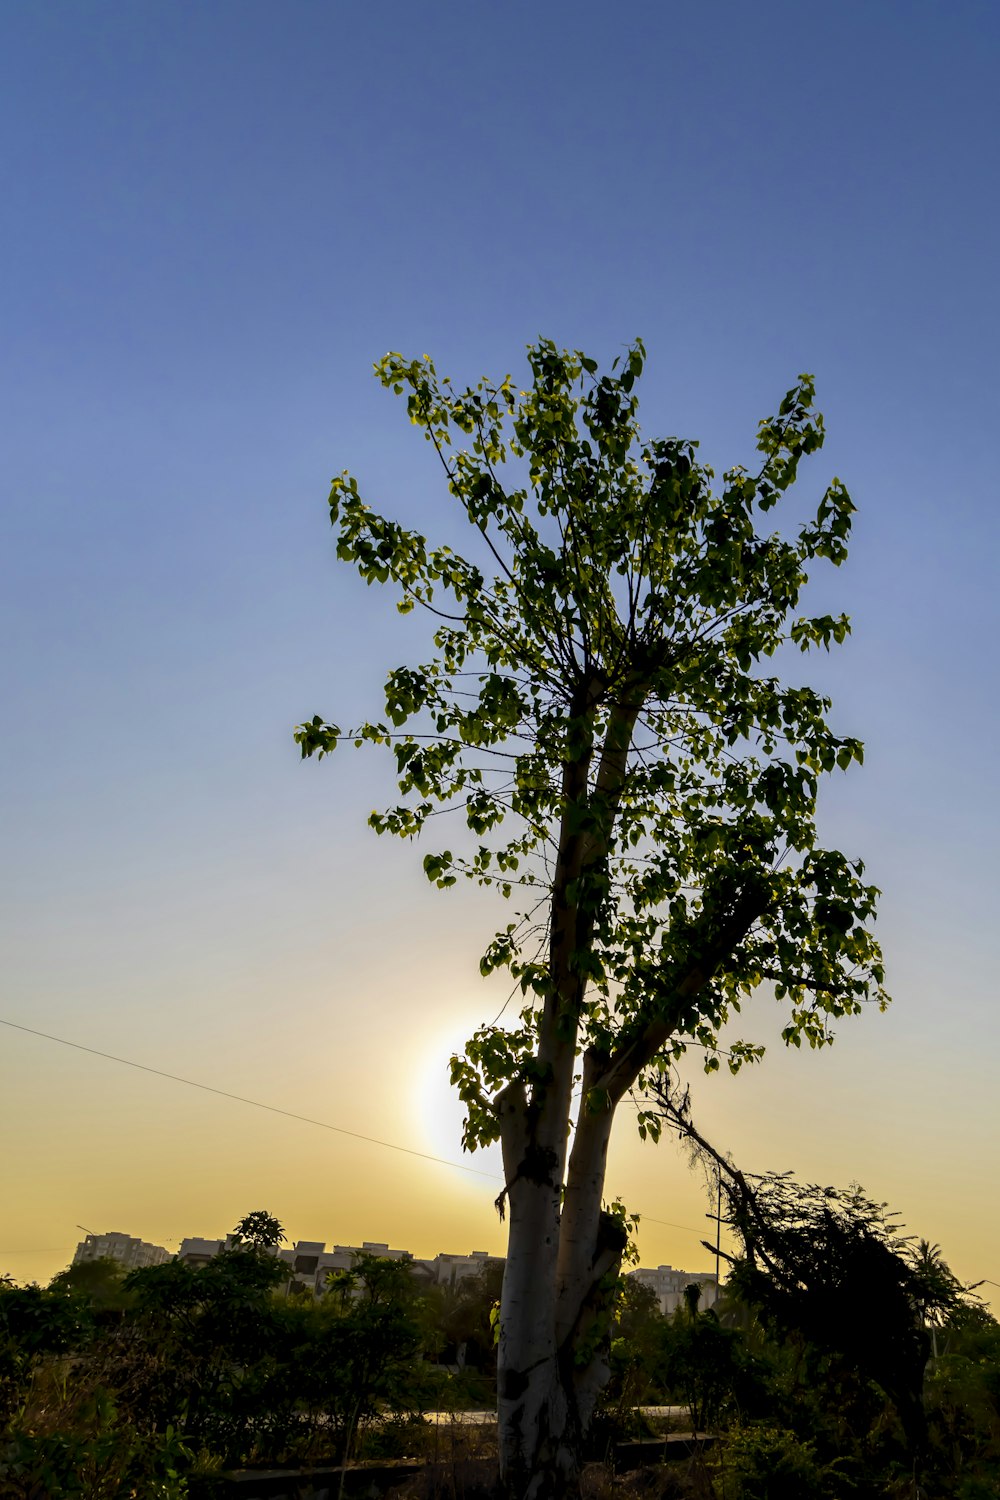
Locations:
{"points": [[963, 1405], [259, 1230], [203, 1348], [829, 1275], [100, 1282], [831, 1268], [459, 1320], [701, 1362], [598, 682], [939, 1293], [365, 1338]]}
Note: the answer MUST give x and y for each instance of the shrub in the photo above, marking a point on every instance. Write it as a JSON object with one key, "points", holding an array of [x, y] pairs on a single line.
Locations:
{"points": [[761, 1462]]}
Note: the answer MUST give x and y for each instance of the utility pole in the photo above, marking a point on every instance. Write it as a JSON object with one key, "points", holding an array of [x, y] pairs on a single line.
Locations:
{"points": [[717, 1216]]}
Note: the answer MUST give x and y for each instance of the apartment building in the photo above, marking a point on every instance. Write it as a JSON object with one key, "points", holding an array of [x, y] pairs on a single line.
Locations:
{"points": [[123, 1248], [452, 1270], [198, 1252], [310, 1264], [669, 1286]]}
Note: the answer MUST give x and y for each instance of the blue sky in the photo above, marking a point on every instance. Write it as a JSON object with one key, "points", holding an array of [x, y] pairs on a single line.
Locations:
{"points": [[217, 217]]}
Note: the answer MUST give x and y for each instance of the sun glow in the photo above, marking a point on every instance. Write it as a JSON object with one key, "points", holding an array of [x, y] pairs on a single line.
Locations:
{"points": [[440, 1113]]}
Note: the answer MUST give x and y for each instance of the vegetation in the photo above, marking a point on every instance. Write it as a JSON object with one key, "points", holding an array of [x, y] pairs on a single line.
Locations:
{"points": [[801, 1373], [600, 712], [200, 1369], [816, 1371]]}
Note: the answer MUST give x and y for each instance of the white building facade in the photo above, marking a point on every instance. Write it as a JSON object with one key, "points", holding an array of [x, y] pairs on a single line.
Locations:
{"points": [[669, 1285], [310, 1263]]}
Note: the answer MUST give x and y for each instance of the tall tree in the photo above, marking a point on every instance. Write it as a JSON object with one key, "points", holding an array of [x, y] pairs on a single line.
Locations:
{"points": [[598, 682]]}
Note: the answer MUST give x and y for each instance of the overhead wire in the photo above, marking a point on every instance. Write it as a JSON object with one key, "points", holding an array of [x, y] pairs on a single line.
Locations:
{"points": [[274, 1109], [289, 1114]]}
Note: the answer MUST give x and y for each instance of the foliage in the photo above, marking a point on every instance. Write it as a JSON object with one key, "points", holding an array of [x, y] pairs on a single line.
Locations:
{"points": [[253, 1375], [259, 1231], [203, 1347], [85, 1450], [100, 1283], [358, 1357], [854, 1309], [690, 1358], [837, 1312], [605, 683], [831, 1268], [201, 1366], [635, 1349], [154, 1401], [458, 1323], [35, 1325], [61, 1431], [702, 1364], [938, 1293], [963, 1404], [763, 1462]]}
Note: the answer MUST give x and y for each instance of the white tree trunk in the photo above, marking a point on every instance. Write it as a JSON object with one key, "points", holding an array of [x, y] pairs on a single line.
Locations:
{"points": [[555, 1303], [532, 1408], [550, 1366]]}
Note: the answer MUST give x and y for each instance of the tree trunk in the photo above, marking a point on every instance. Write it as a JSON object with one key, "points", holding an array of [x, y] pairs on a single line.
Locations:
{"points": [[527, 1395], [547, 1388], [539, 1438], [558, 1289], [562, 1249], [591, 1244]]}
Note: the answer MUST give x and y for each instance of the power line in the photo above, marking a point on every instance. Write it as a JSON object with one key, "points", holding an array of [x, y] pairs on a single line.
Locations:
{"points": [[356, 1135], [255, 1103], [668, 1223]]}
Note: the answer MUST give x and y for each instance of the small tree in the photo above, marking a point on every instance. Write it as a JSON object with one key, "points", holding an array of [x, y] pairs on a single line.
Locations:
{"points": [[832, 1269], [701, 1361], [204, 1348], [99, 1282], [259, 1231], [365, 1340], [598, 680]]}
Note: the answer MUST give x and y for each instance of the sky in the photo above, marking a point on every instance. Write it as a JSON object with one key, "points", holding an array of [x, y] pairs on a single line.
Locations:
{"points": [[217, 218]]}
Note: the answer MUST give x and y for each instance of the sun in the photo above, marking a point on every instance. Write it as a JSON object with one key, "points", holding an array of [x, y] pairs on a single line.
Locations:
{"points": [[439, 1111]]}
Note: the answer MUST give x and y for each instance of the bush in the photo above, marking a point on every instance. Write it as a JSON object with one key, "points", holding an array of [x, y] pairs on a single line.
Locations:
{"points": [[761, 1462], [90, 1452]]}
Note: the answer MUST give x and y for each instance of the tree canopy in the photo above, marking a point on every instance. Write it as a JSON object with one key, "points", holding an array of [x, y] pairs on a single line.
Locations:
{"points": [[606, 677]]}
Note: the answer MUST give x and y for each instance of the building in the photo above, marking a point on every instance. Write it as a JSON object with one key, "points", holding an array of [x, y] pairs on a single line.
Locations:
{"points": [[310, 1263], [451, 1270], [668, 1286], [123, 1248], [198, 1252]]}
